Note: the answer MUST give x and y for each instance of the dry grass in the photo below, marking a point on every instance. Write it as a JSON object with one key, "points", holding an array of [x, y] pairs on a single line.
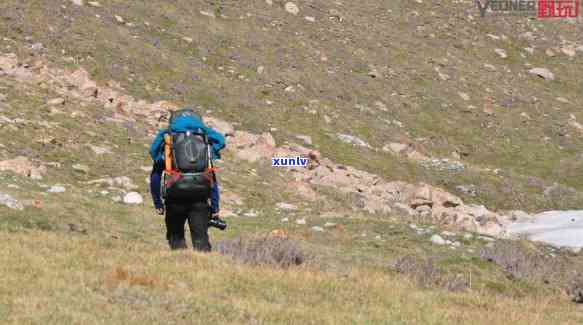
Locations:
{"points": [[261, 250], [51, 280], [121, 275]]}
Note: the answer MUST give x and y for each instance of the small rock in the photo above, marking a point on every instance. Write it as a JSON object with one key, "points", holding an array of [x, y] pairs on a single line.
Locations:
{"points": [[329, 225], [489, 67], [306, 138], [56, 189], [442, 76], [250, 214], [395, 147], [81, 168], [464, 96], [448, 234], [37, 46], [56, 101], [301, 221], [569, 51], [77, 2], [438, 240], [208, 14], [260, 69], [116, 198], [119, 19], [404, 209], [310, 19], [285, 220], [543, 73], [133, 198], [529, 36], [501, 53], [488, 239], [94, 4], [100, 150], [187, 39], [550, 53], [292, 8], [520, 216], [317, 228], [467, 189], [286, 206], [353, 140], [10, 202], [381, 106], [374, 74], [121, 181], [563, 100], [37, 204]]}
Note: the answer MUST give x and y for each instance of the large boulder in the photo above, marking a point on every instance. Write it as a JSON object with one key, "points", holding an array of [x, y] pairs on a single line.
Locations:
{"points": [[224, 127], [8, 61], [254, 148], [24, 167]]}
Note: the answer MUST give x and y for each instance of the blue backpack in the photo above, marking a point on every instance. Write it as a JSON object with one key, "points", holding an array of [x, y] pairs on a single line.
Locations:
{"points": [[191, 176]]}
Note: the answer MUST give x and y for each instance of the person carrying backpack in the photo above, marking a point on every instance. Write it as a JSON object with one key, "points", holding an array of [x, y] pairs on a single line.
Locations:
{"points": [[183, 178]]}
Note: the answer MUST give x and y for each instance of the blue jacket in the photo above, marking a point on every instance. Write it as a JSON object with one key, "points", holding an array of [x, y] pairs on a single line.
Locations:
{"points": [[183, 124]]}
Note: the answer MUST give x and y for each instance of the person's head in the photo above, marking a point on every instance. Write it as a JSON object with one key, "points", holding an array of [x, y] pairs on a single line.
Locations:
{"points": [[185, 112]]}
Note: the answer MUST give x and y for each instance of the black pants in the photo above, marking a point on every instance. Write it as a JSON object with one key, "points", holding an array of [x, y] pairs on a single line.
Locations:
{"points": [[198, 216]]}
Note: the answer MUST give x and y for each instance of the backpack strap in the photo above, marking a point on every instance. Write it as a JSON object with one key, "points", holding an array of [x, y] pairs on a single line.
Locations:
{"points": [[168, 152]]}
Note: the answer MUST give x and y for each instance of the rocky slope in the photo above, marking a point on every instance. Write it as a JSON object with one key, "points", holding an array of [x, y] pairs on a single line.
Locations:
{"points": [[367, 191], [464, 97]]}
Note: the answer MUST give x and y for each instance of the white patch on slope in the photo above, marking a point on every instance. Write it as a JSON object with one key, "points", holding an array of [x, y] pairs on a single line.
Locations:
{"points": [[558, 228]]}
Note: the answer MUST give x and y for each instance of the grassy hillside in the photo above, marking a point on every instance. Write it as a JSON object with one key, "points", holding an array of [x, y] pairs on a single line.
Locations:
{"points": [[364, 67], [367, 69]]}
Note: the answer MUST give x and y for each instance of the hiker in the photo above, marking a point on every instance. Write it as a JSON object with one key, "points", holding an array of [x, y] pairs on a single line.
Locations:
{"points": [[183, 180]]}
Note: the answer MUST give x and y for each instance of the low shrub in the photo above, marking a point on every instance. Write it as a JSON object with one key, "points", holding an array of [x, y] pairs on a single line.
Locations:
{"points": [[267, 250], [427, 274], [519, 261]]}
